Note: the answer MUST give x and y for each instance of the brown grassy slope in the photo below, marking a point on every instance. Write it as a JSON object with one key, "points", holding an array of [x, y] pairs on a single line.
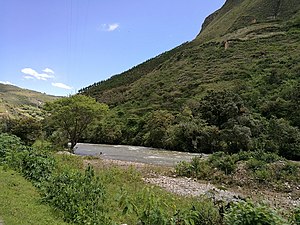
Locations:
{"points": [[16, 101]]}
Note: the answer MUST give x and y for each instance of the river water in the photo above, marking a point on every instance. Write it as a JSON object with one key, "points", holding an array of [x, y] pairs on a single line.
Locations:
{"points": [[134, 154]]}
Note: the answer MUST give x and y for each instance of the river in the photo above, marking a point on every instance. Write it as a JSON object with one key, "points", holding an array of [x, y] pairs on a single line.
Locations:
{"points": [[134, 154]]}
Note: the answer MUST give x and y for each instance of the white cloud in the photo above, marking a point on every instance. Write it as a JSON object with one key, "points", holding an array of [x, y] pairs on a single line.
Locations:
{"points": [[110, 27], [28, 77], [34, 74], [61, 85], [6, 82], [47, 70]]}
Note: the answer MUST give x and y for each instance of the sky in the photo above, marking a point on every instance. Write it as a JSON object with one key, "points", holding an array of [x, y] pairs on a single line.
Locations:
{"points": [[60, 46]]}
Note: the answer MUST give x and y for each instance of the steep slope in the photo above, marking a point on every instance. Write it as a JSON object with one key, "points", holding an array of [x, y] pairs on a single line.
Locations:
{"points": [[236, 87], [253, 14], [241, 42], [15, 101]]}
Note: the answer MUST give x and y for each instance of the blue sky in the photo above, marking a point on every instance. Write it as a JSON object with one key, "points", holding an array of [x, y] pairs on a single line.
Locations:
{"points": [[61, 46]]}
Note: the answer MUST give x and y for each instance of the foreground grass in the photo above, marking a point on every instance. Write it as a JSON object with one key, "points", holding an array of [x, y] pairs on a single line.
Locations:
{"points": [[20, 203], [129, 199]]}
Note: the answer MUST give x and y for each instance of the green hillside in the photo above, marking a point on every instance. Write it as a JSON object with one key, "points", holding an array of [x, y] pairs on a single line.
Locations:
{"points": [[187, 70], [238, 17], [247, 50], [15, 101]]}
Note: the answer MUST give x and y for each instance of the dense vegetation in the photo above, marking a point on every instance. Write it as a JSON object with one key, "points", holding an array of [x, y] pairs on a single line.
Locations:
{"points": [[83, 195], [244, 169], [232, 92], [236, 92]]}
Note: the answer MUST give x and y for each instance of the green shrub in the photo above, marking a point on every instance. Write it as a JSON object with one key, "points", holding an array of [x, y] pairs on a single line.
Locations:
{"points": [[197, 168], [223, 162], [246, 213], [42, 145], [8, 143], [263, 175], [149, 208], [297, 216], [37, 165], [254, 164], [202, 212], [81, 197]]}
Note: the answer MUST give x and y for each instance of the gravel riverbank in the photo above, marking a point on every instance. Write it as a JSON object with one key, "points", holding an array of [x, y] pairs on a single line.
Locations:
{"points": [[189, 187]]}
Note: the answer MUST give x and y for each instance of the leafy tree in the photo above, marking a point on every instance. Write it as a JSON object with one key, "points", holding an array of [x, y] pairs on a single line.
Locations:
{"points": [[27, 128], [218, 107], [157, 125], [196, 136], [74, 114], [283, 139], [236, 139]]}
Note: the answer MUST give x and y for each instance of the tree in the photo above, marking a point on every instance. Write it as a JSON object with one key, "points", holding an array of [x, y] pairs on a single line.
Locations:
{"points": [[26, 128], [74, 114], [156, 126], [219, 107], [283, 139]]}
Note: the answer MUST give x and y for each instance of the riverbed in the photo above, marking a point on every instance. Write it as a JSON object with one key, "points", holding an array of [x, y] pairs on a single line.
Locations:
{"points": [[134, 154]]}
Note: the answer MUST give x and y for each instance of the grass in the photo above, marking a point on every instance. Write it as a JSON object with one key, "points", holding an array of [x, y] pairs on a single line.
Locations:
{"points": [[245, 169], [126, 197], [18, 101], [125, 188], [20, 203]]}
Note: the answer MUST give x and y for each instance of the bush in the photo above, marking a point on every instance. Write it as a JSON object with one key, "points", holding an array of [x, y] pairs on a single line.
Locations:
{"points": [[37, 165], [246, 213], [197, 168], [42, 145], [297, 216], [202, 212], [80, 196], [223, 162], [8, 143]]}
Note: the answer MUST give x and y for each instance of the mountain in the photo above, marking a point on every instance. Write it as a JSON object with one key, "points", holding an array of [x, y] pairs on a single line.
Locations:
{"points": [[241, 42], [15, 101], [239, 18], [235, 87]]}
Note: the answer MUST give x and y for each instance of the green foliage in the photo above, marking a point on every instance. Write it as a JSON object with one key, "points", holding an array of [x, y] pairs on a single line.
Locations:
{"points": [[247, 213], [27, 128], [195, 136], [152, 211], [217, 108], [197, 168], [296, 216], [42, 145], [260, 167], [17, 103], [223, 162], [74, 114], [157, 124], [36, 165], [234, 100], [80, 196], [8, 143], [284, 139], [202, 212], [20, 202]]}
